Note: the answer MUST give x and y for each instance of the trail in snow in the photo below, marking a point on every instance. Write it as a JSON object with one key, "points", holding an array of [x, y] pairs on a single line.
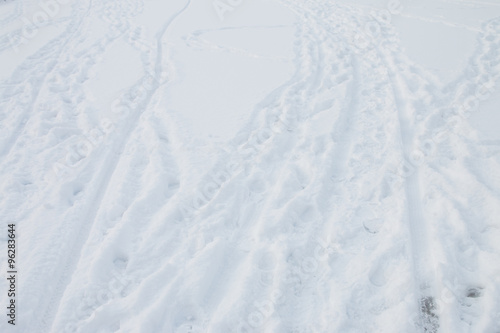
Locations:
{"points": [[354, 197]]}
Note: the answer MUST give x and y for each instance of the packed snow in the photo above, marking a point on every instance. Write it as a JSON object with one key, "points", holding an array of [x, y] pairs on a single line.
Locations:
{"points": [[238, 166]]}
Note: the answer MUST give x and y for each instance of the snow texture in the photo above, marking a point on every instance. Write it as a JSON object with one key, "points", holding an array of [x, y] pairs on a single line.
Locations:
{"points": [[238, 166]]}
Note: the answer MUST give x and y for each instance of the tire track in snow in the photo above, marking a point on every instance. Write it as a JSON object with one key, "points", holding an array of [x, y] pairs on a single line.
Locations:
{"points": [[418, 226], [163, 252], [33, 176], [298, 305], [303, 309], [299, 94], [65, 81], [32, 171], [298, 311], [344, 139], [465, 233], [117, 240], [278, 107], [418, 232], [424, 273], [79, 235], [209, 293], [442, 102], [50, 52]]}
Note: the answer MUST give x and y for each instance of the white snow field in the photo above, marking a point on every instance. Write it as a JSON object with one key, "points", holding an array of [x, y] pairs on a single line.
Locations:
{"points": [[238, 166]]}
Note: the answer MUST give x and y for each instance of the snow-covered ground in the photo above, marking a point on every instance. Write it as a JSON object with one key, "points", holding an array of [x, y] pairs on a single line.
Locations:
{"points": [[236, 166]]}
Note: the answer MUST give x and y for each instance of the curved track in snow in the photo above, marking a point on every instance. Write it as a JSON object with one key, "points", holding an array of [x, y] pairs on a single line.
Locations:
{"points": [[354, 197]]}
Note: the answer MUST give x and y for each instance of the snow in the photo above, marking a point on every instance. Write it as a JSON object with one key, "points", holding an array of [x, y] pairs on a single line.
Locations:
{"points": [[251, 166]]}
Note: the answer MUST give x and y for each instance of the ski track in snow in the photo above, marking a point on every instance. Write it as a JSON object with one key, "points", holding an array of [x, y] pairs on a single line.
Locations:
{"points": [[311, 219]]}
